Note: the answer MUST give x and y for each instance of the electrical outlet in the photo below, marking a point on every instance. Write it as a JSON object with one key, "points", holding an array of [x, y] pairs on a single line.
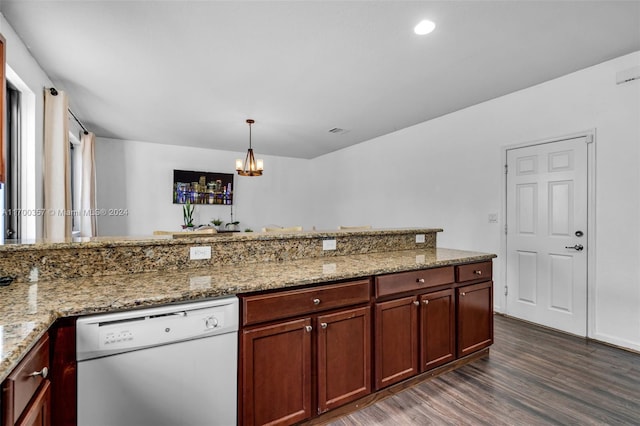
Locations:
{"points": [[420, 238], [200, 252], [329, 244]]}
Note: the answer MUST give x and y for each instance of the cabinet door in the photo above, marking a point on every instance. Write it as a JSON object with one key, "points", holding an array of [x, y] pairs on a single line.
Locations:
{"points": [[38, 412], [276, 373], [475, 317], [437, 329], [396, 341], [344, 357]]}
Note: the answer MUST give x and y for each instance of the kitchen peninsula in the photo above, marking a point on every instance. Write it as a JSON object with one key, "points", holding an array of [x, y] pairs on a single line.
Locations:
{"points": [[389, 269]]}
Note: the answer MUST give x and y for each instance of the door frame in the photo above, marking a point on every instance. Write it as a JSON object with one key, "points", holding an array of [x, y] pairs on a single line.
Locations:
{"points": [[590, 134]]}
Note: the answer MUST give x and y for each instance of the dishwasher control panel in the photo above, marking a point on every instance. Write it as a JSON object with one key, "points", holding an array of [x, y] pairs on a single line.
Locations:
{"points": [[109, 334]]}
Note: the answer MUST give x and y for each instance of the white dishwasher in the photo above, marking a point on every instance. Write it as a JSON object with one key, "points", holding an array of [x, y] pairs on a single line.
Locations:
{"points": [[171, 365]]}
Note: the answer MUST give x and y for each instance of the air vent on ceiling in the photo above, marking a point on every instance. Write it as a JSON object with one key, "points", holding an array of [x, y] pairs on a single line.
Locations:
{"points": [[628, 75], [338, 131]]}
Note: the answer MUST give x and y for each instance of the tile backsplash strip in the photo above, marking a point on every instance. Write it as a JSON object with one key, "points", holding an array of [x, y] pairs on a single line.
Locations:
{"points": [[47, 261]]}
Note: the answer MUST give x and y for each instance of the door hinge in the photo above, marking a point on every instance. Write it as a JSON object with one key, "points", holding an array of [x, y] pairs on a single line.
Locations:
{"points": [[505, 229], [506, 169], [506, 290]]}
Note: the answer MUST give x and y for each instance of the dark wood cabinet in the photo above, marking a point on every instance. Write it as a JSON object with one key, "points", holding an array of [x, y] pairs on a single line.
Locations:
{"points": [[474, 317], [276, 376], [437, 329], [26, 392], [419, 330], [63, 373], [297, 368], [396, 341], [39, 411], [344, 357]]}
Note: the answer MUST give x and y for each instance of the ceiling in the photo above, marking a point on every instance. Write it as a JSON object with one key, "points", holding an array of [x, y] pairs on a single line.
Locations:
{"points": [[191, 72]]}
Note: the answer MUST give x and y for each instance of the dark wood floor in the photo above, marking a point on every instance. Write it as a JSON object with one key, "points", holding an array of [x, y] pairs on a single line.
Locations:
{"points": [[532, 376]]}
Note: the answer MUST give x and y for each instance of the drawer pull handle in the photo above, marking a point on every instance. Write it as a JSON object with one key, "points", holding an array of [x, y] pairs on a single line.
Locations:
{"points": [[323, 324], [463, 294], [415, 302], [44, 373], [308, 328], [426, 302], [420, 280], [316, 301], [477, 272]]}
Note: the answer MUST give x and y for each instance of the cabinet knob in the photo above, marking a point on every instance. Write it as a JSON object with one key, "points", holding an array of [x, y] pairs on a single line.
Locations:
{"points": [[415, 302], [420, 280], [308, 328], [323, 324], [44, 373], [426, 302], [477, 272], [316, 301], [463, 294]]}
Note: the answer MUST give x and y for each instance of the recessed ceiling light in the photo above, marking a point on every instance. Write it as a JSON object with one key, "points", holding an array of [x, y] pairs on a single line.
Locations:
{"points": [[424, 27]]}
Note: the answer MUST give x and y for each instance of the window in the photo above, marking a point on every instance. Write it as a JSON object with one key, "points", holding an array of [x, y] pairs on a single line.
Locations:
{"points": [[11, 188]]}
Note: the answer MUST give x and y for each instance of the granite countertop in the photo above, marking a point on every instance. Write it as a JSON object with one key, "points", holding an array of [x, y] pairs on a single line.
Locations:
{"points": [[27, 310], [151, 240]]}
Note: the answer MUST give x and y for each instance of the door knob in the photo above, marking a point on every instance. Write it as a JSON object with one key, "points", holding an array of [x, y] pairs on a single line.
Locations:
{"points": [[577, 247]]}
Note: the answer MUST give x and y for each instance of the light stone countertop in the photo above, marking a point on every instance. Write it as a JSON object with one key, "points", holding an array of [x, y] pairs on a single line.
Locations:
{"points": [[27, 310]]}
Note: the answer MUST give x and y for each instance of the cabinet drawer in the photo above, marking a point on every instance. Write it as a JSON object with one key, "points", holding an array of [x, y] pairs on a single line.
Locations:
{"points": [[20, 386], [413, 280], [284, 304], [474, 271]]}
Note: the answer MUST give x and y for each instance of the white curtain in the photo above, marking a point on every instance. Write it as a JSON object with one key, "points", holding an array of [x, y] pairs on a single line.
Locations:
{"points": [[56, 167], [88, 186]]}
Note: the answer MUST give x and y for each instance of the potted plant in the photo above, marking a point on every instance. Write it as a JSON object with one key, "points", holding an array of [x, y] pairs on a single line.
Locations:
{"points": [[233, 226], [187, 216], [217, 222]]}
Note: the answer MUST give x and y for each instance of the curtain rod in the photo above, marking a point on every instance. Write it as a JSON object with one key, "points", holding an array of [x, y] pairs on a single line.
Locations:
{"points": [[54, 92]]}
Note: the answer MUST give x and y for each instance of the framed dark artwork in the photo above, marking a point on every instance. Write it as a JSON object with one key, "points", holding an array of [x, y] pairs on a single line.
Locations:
{"points": [[202, 187]]}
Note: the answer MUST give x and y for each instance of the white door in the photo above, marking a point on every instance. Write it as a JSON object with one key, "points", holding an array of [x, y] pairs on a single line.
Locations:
{"points": [[547, 234]]}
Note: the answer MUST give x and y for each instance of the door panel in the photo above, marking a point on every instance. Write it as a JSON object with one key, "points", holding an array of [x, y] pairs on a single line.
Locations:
{"points": [[344, 357], [546, 205], [527, 277], [561, 282], [276, 376], [396, 341]]}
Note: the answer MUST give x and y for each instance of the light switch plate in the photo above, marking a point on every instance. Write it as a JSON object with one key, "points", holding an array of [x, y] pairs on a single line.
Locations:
{"points": [[493, 217], [329, 244], [200, 252], [420, 238]]}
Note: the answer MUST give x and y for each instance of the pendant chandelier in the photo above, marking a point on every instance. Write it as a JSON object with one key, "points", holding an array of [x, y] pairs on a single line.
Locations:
{"points": [[250, 166]]}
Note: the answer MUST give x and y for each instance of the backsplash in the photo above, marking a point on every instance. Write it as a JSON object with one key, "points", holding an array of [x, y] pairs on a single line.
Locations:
{"points": [[104, 257]]}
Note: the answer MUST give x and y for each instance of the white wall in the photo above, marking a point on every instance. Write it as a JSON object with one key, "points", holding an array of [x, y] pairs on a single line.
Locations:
{"points": [[20, 61], [138, 176], [447, 173]]}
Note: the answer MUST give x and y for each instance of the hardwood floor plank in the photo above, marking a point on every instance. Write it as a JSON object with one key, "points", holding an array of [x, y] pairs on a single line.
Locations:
{"points": [[532, 376]]}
